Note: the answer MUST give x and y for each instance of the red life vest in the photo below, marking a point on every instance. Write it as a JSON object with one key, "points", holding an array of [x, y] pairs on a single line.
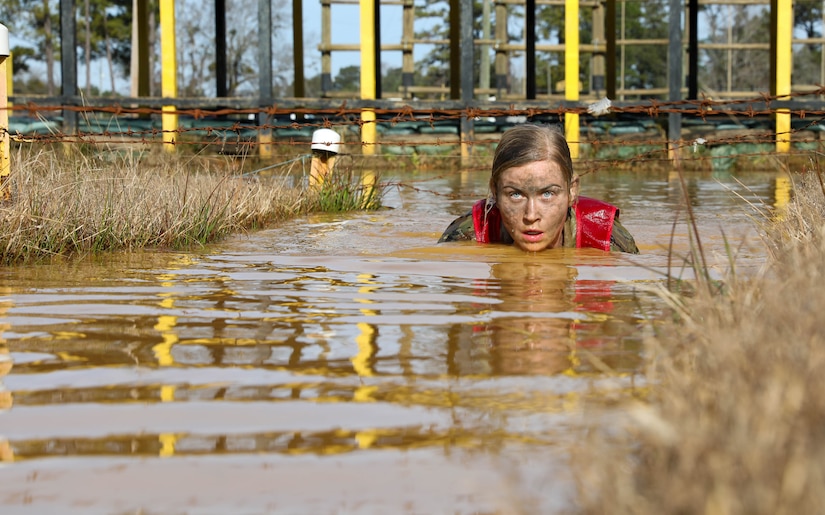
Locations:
{"points": [[594, 222]]}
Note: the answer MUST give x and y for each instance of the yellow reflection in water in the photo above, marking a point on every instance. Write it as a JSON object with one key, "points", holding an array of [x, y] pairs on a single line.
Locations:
{"points": [[163, 353], [6, 398], [65, 356], [366, 438], [782, 193], [163, 350], [167, 444], [363, 361], [167, 393], [364, 393], [6, 451]]}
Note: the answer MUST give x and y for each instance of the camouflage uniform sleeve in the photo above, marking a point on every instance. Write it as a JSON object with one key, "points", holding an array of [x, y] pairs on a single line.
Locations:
{"points": [[621, 240], [462, 229]]}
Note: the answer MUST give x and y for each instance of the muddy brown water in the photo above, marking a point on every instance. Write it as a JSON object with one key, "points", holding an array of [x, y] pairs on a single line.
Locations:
{"points": [[341, 364]]}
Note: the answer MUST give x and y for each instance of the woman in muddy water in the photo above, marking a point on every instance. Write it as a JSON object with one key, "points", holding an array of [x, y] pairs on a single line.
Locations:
{"points": [[535, 203]]}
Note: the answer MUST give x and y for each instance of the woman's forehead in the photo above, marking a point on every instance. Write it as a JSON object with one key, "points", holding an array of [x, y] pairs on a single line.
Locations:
{"points": [[536, 172]]}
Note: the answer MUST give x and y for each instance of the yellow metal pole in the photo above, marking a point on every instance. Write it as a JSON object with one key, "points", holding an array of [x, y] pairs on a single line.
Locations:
{"points": [[571, 73], [10, 76], [169, 67], [368, 79], [784, 56], [5, 80]]}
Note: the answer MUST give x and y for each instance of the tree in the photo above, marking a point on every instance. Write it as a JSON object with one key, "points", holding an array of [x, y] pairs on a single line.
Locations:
{"points": [[807, 60], [435, 65], [195, 34], [105, 28], [645, 65], [807, 14], [35, 21], [736, 69], [550, 28], [434, 68], [104, 33], [194, 38], [348, 79]]}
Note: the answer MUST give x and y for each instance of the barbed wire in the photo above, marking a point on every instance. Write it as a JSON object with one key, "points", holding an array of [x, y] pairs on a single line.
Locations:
{"points": [[437, 130]]}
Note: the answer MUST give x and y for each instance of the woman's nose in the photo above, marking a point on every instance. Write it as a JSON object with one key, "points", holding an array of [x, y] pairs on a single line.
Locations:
{"points": [[531, 214]]}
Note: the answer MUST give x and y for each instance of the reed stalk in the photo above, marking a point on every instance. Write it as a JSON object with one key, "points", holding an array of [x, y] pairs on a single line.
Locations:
{"points": [[343, 191], [734, 421], [73, 203]]}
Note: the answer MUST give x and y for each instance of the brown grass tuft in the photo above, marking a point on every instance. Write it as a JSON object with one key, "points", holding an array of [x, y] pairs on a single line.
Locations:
{"points": [[735, 419], [75, 204]]}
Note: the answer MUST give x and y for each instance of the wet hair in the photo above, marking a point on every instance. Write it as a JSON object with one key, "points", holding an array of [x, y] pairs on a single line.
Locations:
{"points": [[529, 143]]}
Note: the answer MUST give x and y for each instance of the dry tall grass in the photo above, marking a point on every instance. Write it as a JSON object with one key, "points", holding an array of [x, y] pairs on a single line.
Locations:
{"points": [[74, 204], [735, 419]]}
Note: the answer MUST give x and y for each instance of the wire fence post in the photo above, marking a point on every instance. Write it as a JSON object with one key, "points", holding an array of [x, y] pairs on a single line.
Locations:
{"points": [[571, 74], [265, 77], [783, 14], [368, 78], [68, 69], [466, 129], [674, 126], [5, 162], [169, 68]]}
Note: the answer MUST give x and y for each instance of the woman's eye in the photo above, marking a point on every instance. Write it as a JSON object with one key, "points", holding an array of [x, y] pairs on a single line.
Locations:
{"points": [[515, 195], [548, 194]]}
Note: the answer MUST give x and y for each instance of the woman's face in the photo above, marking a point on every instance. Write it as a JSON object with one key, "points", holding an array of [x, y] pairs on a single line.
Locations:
{"points": [[533, 200]]}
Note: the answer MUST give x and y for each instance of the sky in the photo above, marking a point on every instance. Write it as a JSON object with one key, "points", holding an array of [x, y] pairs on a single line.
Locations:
{"points": [[345, 29]]}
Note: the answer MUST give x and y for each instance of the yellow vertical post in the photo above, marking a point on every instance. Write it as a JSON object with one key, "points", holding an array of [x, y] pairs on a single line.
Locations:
{"points": [[368, 79], [784, 55], [571, 73], [9, 77], [368, 86], [169, 68], [5, 79], [265, 142]]}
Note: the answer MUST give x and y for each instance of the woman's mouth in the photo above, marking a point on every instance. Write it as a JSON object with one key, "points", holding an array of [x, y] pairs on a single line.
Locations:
{"points": [[532, 236]]}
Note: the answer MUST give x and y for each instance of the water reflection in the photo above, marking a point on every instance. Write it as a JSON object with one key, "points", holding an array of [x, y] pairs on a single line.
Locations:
{"points": [[6, 363], [530, 331], [544, 319], [346, 336]]}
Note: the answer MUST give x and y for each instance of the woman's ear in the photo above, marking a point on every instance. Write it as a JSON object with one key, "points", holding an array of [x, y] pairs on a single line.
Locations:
{"points": [[574, 189], [493, 188]]}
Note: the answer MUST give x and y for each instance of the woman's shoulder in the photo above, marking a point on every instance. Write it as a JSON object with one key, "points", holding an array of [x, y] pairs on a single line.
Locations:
{"points": [[461, 229], [621, 240], [602, 219]]}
